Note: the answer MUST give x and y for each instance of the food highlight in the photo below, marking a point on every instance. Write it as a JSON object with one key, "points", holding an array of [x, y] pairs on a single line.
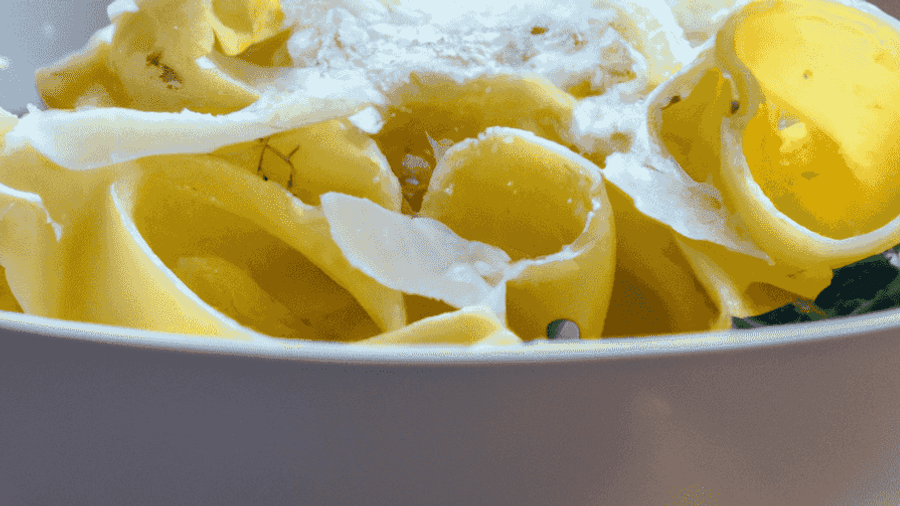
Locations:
{"points": [[389, 173]]}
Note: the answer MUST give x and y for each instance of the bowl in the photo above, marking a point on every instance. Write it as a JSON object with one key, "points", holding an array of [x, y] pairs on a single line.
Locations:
{"points": [[789, 415]]}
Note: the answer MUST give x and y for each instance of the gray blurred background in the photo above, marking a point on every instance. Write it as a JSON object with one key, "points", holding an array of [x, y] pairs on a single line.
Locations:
{"points": [[50, 30]]}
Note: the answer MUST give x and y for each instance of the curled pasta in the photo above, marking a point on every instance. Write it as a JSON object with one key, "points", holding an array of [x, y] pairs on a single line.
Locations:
{"points": [[821, 181], [370, 172]]}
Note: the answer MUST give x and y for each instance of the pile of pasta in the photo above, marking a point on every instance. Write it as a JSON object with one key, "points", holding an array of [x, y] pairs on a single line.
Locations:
{"points": [[384, 173]]}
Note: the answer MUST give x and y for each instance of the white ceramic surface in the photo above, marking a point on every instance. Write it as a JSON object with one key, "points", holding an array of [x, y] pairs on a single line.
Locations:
{"points": [[796, 415]]}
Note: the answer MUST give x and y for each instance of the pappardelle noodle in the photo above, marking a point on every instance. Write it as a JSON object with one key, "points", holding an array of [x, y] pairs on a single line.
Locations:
{"points": [[390, 172]]}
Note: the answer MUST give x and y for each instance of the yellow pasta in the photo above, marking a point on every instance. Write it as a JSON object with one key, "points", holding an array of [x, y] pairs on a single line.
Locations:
{"points": [[324, 157], [739, 283], [169, 55], [536, 201], [282, 244], [467, 326], [134, 237], [385, 174], [432, 112], [817, 184], [821, 165], [654, 288], [771, 245]]}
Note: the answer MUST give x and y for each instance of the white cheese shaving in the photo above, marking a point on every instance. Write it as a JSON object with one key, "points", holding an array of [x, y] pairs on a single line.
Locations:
{"points": [[112, 135], [417, 255], [607, 43]]}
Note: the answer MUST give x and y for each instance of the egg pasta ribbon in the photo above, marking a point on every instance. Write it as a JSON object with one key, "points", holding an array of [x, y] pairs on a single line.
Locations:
{"points": [[181, 243], [167, 55], [472, 325], [820, 183], [252, 251], [511, 221], [211, 167], [199, 244], [766, 189]]}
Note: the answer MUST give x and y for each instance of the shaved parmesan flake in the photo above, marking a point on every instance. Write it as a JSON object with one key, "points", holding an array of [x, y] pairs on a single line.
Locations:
{"points": [[417, 255], [114, 135]]}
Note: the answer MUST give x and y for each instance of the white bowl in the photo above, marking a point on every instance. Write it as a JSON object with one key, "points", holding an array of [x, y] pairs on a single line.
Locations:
{"points": [[790, 415]]}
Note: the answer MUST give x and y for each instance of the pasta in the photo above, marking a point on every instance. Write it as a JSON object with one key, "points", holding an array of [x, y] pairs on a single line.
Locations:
{"points": [[389, 173]]}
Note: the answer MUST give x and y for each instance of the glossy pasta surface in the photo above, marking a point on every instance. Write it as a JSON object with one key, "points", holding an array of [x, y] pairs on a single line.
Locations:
{"points": [[387, 173]]}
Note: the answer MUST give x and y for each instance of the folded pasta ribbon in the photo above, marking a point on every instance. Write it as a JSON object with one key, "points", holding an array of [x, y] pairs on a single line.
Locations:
{"points": [[473, 325], [673, 175], [545, 207], [180, 243], [168, 55], [8, 300], [331, 156], [531, 226], [250, 250], [809, 188], [432, 112], [810, 160]]}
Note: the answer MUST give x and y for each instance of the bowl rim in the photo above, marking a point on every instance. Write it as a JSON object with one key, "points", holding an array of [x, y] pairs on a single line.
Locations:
{"points": [[617, 348]]}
